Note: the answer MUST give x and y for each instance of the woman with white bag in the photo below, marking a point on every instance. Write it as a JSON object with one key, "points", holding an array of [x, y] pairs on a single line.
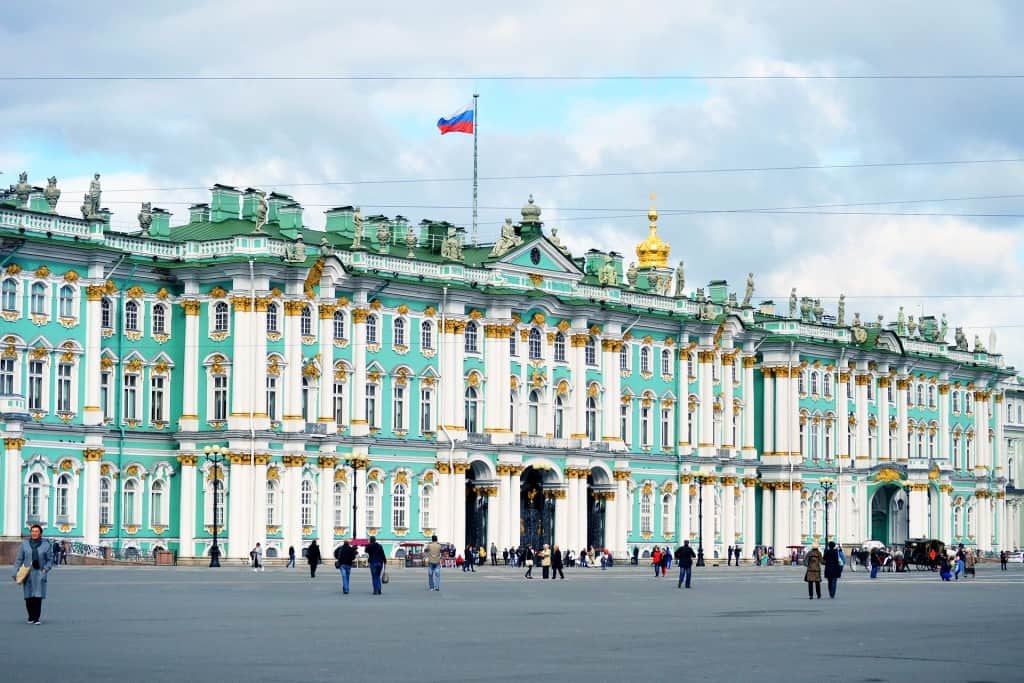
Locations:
{"points": [[33, 563]]}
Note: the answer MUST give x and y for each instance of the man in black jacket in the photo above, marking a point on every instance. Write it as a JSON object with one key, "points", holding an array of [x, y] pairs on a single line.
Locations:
{"points": [[684, 558], [344, 558], [376, 558]]}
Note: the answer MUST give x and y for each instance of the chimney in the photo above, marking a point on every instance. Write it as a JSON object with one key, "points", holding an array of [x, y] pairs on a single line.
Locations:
{"points": [[767, 307], [225, 202], [250, 200], [289, 218], [161, 225], [199, 213], [340, 221], [274, 202], [718, 291]]}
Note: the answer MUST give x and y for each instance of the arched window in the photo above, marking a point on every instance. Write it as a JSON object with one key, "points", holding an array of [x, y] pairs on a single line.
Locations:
{"points": [[471, 410], [67, 301], [306, 502], [691, 365], [559, 430], [969, 452], [38, 299], [968, 403], [801, 383], [591, 418], [645, 423], [956, 401], [340, 504], [645, 513], [273, 511], [156, 504], [272, 318], [34, 498], [427, 335], [667, 514], [534, 343], [131, 316], [399, 507], [827, 384], [371, 329], [426, 506], [10, 294], [814, 382], [62, 505], [559, 348], [666, 362], [512, 346], [815, 436], [471, 338], [398, 328], [931, 396], [590, 352], [339, 325], [971, 522], [306, 322], [624, 357], [645, 360], [105, 502], [931, 443], [957, 460], [534, 413], [220, 317], [828, 439], [159, 319], [106, 314], [371, 505], [128, 508], [398, 410], [920, 394]]}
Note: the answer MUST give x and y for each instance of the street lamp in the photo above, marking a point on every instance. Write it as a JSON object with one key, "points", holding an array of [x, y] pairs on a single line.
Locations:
{"points": [[355, 497], [215, 455], [827, 484], [700, 521]]}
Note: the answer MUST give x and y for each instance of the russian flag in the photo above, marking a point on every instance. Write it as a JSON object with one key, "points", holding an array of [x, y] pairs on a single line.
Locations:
{"points": [[459, 122]]}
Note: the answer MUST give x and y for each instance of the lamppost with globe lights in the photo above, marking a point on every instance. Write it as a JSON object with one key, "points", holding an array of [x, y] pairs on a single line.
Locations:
{"points": [[215, 455], [700, 520], [827, 484]]}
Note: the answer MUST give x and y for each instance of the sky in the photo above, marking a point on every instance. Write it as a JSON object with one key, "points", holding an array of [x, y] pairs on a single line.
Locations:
{"points": [[166, 141]]}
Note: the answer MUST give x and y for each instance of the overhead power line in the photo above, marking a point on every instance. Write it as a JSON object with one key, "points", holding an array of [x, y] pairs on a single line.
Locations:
{"points": [[517, 77]]}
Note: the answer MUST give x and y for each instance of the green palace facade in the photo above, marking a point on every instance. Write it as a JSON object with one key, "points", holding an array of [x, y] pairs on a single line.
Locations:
{"points": [[380, 377]]}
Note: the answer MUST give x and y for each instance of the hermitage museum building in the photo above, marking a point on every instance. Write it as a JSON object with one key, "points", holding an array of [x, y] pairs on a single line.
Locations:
{"points": [[243, 374]]}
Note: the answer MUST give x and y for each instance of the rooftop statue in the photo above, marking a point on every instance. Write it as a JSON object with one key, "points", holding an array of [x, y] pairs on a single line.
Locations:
{"points": [[708, 311], [749, 293], [85, 206], [451, 247], [146, 216], [991, 341], [978, 346], [296, 252], [841, 318], [23, 188], [632, 275], [792, 303], [681, 279], [410, 241], [901, 323], [262, 208], [94, 197], [383, 237], [881, 320], [805, 309], [508, 241], [557, 242], [325, 247], [818, 310], [52, 193], [357, 229], [911, 326], [860, 335], [606, 275], [961, 339], [943, 328]]}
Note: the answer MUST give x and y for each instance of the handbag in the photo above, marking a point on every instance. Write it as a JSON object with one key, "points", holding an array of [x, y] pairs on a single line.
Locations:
{"points": [[529, 563], [22, 575], [384, 578]]}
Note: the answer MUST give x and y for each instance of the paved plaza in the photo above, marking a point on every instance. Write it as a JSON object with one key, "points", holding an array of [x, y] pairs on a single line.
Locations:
{"points": [[231, 624]]}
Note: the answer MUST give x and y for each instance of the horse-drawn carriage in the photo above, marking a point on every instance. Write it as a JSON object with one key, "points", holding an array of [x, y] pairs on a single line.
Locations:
{"points": [[923, 553]]}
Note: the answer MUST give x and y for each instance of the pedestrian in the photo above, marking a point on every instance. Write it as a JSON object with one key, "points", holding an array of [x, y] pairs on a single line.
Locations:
{"points": [[945, 572], [556, 562], [958, 567], [504, 556], [833, 568], [494, 554], [376, 559], [728, 552], [545, 561], [876, 561], [256, 556], [684, 558], [483, 556], [344, 558], [813, 574], [636, 555], [432, 554], [36, 556], [529, 562], [1004, 557], [737, 551], [656, 561], [313, 557], [291, 556], [664, 560], [969, 563]]}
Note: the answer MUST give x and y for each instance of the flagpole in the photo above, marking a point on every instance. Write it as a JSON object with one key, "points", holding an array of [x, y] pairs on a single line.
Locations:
{"points": [[476, 127]]}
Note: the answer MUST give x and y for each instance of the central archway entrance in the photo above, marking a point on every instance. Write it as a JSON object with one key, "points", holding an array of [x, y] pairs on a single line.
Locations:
{"points": [[536, 510], [599, 490], [890, 515]]}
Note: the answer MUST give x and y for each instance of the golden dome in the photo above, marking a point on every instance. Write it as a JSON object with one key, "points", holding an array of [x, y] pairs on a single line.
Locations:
{"points": [[653, 252]]}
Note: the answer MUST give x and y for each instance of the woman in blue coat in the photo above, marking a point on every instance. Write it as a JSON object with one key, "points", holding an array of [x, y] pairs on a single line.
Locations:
{"points": [[37, 554]]}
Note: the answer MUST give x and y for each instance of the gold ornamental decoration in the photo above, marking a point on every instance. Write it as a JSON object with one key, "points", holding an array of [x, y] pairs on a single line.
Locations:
{"points": [[135, 292], [653, 252]]}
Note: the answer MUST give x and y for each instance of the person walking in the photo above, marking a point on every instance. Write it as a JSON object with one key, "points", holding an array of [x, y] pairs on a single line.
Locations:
{"points": [[483, 556], [958, 566], [1003, 559], [813, 574], [545, 561], [969, 563], [833, 568], [494, 554], [376, 558], [504, 556], [313, 557], [556, 562], [656, 561], [36, 555], [291, 556], [432, 554], [344, 558], [256, 555], [728, 554], [684, 558], [528, 555], [665, 555], [876, 562]]}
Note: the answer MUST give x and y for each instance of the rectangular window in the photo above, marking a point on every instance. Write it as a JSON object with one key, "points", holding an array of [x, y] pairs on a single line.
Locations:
{"points": [[64, 403], [426, 410], [220, 397], [272, 398], [339, 403], [666, 429], [624, 422], [371, 404], [6, 376], [105, 403], [35, 385], [131, 392], [156, 399], [398, 409]]}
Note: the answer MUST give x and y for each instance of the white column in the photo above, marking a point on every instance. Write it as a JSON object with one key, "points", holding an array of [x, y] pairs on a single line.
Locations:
{"points": [[514, 536], [796, 457], [239, 506], [767, 514], [189, 419], [998, 443], [442, 504], [325, 503], [782, 403], [862, 456], [882, 401], [186, 505], [359, 464], [918, 495], [578, 367], [749, 517], [782, 526], [573, 508], [842, 442], [494, 521], [707, 493], [749, 450], [1002, 538], [92, 412], [459, 491], [683, 522], [622, 508], [945, 509], [259, 503], [561, 518], [326, 412], [729, 416], [261, 420], [706, 439], [768, 448], [902, 387], [944, 441], [90, 490], [582, 509], [611, 521], [293, 420], [359, 426], [728, 511], [613, 393], [504, 491], [12, 486], [243, 364], [292, 518]]}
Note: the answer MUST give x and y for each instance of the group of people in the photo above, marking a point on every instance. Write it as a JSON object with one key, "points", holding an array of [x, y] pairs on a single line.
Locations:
{"points": [[961, 563], [833, 561]]}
